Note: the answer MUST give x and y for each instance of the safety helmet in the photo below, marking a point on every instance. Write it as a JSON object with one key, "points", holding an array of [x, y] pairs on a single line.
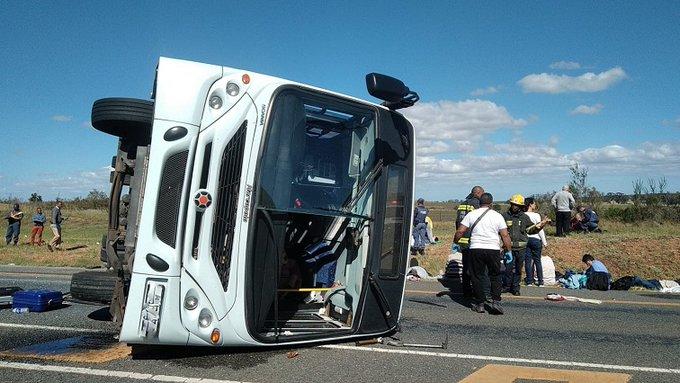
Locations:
{"points": [[517, 199]]}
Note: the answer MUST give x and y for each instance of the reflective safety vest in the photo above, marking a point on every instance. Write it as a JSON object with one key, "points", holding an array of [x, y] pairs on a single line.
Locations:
{"points": [[470, 204], [517, 228]]}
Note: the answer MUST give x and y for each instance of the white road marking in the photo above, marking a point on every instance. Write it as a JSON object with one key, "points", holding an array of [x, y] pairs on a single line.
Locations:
{"points": [[165, 378], [53, 328], [505, 359], [107, 373]]}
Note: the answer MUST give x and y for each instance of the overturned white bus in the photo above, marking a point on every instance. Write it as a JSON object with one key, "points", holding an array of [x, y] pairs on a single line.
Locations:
{"points": [[250, 210]]}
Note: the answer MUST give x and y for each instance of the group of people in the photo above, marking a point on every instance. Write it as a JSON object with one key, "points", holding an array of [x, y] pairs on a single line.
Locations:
{"points": [[585, 220], [481, 233], [15, 216], [496, 247]]}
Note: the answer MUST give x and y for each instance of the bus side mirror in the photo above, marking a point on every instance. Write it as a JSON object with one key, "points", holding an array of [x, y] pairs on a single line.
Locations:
{"points": [[392, 91]]}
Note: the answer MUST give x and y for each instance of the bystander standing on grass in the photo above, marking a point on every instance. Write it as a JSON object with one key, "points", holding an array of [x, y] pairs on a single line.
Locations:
{"points": [[39, 220], [563, 202], [57, 220], [14, 218]]}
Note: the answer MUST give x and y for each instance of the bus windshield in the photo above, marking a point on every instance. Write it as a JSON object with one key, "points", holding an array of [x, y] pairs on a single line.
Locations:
{"points": [[319, 157]]}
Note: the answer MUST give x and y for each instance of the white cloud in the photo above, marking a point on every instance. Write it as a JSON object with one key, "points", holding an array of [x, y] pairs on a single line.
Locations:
{"points": [[68, 185], [553, 140], [484, 91], [61, 118], [427, 147], [585, 109], [540, 161], [468, 120], [565, 65], [587, 82], [671, 123]]}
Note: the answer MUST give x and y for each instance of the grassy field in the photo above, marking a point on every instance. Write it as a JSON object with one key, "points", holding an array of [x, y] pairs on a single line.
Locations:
{"points": [[650, 250], [81, 233]]}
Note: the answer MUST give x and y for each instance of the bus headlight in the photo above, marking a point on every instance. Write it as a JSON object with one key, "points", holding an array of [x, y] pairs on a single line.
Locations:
{"points": [[215, 102], [190, 302], [204, 318], [232, 89]]}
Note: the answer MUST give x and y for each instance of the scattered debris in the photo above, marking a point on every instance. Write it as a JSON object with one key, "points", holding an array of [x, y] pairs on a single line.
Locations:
{"points": [[292, 354], [398, 343], [558, 297]]}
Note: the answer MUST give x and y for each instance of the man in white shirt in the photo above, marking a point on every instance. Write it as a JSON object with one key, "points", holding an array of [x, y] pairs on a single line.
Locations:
{"points": [[485, 252]]}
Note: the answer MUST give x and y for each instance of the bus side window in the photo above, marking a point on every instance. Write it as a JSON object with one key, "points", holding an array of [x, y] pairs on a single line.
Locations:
{"points": [[392, 238]]}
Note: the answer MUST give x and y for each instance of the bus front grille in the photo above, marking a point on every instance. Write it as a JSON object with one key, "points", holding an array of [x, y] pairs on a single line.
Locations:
{"points": [[169, 196], [227, 199]]}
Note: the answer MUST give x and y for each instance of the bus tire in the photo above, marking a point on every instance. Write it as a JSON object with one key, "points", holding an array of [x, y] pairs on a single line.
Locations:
{"points": [[93, 286], [127, 118]]}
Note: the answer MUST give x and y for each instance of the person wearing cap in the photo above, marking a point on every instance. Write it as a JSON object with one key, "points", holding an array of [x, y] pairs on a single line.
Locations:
{"points": [[420, 226], [519, 227], [484, 226]]}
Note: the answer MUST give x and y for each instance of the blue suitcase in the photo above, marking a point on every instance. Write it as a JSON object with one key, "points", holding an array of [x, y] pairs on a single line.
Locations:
{"points": [[37, 300]]}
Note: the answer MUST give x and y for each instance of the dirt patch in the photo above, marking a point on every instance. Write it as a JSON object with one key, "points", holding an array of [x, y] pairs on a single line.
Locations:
{"points": [[647, 257]]}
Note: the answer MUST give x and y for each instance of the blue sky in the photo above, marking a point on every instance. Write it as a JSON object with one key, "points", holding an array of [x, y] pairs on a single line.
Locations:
{"points": [[511, 95]]}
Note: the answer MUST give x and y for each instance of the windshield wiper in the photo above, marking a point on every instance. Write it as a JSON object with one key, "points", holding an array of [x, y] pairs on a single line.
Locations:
{"points": [[363, 187], [344, 213]]}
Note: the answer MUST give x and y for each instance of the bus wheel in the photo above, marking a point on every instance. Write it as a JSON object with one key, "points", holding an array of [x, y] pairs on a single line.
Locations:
{"points": [[127, 118], [93, 286]]}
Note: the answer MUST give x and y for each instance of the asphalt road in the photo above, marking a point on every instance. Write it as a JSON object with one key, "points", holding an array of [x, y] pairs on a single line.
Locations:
{"points": [[627, 334]]}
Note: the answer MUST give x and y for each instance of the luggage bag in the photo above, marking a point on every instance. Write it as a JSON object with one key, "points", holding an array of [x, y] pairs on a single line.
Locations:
{"points": [[37, 300]]}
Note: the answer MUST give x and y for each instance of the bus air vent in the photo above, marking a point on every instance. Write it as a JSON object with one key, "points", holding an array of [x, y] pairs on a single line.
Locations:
{"points": [[169, 195], [227, 202]]}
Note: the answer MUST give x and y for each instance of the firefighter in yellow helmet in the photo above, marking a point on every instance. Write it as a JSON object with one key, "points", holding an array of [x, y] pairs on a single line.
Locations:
{"points": [[519, 226]]}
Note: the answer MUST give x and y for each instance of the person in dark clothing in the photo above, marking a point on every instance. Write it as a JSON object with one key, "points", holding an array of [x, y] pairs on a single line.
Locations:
{"points": [[598, 275], [519, 226], [589, 220], [420, 226], [471, 203], [14, 218]]}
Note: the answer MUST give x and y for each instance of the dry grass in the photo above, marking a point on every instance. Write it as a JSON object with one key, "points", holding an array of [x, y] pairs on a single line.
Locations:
{"points": [[81, 233]]}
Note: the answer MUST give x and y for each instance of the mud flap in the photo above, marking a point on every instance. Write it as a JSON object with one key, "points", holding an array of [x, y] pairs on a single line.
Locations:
{"points": [[119, 300]]}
